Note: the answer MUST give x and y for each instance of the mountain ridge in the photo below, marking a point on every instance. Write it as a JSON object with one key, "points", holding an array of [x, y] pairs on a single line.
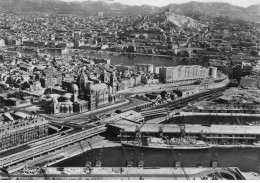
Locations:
{"points": [[214, 9]]}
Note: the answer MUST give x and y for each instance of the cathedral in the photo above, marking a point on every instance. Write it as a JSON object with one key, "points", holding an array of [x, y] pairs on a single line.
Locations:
{"points": [[85, 96]]}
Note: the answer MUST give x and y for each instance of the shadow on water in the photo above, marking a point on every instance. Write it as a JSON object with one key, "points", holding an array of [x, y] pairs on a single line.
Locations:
{"points": [[246, 159]]}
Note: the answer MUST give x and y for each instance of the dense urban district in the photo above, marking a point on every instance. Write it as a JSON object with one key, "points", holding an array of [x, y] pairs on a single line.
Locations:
{"points": [[62, 94]]}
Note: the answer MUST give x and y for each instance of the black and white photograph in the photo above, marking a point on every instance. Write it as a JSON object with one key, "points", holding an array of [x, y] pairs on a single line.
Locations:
{"points": [[129, 90]]}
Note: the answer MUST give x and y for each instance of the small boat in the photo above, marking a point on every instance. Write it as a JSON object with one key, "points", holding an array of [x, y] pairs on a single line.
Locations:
{"points": [[174, 143], [256, 143], [253, 123], [131, 55], [98, 163], [116, 54], [88, 164]]}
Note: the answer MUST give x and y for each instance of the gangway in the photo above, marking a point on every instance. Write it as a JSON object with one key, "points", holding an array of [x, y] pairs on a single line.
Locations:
{"points": [[185, 173], [81, 147], [239, 122], [174, 158], [43, 172], [90, 145]]}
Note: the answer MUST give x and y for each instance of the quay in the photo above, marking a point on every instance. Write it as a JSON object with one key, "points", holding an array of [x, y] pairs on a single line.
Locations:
{"points": [[131, 173], [95, 142]]}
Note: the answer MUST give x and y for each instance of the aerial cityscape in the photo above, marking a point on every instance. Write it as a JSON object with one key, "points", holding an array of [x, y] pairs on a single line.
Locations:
{"points": [[102, 90]]}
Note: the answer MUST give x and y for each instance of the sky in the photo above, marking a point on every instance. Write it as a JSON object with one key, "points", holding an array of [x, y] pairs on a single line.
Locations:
{"points": [[242, 3]]}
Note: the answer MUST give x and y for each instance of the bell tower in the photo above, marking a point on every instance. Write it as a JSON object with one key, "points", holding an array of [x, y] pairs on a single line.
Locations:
{"points": [[105, 78], [113, 84], [75, 90], [113, 79], [82, 83]]}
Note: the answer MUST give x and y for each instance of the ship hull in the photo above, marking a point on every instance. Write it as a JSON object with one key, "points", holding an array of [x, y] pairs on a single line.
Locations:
{"points": [[166, 147]]}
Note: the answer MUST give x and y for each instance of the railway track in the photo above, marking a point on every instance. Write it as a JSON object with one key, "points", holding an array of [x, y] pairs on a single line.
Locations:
{"points": [[180, 103]]}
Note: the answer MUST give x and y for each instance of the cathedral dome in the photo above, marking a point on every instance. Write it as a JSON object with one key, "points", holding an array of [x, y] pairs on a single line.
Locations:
{"points": [[74, 88], [113, 73], [55, 100], [91, 88], [66, 96]]}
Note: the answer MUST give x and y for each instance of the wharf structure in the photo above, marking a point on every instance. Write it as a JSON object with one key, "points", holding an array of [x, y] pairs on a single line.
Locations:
{"points": [[213, 134], [19, 132], [248, 108]]}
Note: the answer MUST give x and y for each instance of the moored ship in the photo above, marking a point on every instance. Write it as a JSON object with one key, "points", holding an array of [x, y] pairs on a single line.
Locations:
{"points": [[173, 143]]}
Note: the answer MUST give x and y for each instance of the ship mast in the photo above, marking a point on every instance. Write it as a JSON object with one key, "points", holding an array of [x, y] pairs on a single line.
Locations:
{"points": [[182, 128], [138, 134]]}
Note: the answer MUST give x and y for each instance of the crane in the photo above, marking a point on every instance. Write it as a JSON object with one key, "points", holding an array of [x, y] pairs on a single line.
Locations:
{"points": [[167, 118]]}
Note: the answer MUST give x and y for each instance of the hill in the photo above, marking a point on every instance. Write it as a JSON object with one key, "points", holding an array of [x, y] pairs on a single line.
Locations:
{"points": [[214, 9], [183, 21]]}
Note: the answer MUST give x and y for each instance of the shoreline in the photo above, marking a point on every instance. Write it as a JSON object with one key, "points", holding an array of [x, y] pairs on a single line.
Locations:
{"points": [[99, 52]]}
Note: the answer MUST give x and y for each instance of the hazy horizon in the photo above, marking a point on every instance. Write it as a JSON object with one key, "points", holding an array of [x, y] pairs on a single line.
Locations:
{"points": [[241, 3]]}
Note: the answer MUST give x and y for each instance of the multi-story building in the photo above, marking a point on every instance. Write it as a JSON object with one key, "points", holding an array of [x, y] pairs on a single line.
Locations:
{"points": [[51, 79], [100, 14], [29, 43], [147, 68], [186, 73], [22, 131], [2, 42]]}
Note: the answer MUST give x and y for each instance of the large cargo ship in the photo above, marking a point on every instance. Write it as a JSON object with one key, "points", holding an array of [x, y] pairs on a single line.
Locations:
{"points": [[168, 144], [213, 135]]}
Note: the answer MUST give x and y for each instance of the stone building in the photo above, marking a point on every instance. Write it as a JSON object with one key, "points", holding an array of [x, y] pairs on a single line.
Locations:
{"points": [[22, 131], [84, 95], [186, 73]]}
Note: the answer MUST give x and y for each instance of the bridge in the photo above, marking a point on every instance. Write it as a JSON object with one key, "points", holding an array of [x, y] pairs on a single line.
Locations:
{"points": [[50, 146]]}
